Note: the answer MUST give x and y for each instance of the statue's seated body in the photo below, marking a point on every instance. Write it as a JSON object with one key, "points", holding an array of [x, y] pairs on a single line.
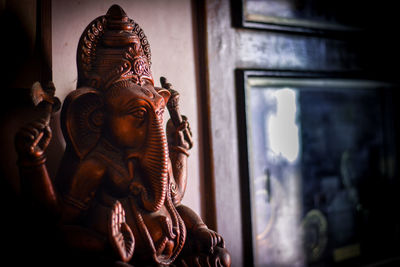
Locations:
{"points": [[119, 187]]}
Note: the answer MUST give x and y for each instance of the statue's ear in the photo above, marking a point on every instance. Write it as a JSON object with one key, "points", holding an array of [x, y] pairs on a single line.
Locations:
{"points": [[82, 117]]}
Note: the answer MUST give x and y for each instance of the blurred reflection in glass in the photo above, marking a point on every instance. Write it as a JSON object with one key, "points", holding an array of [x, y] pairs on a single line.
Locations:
{"points": [[318, 149], [275, 146]]}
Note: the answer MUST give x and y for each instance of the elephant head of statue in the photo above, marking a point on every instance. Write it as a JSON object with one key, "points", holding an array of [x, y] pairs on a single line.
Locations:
{"points": [[118, 102]]}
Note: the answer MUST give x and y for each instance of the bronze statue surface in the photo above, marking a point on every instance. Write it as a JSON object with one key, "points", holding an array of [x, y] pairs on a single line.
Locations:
{"points": [[119, 187]]}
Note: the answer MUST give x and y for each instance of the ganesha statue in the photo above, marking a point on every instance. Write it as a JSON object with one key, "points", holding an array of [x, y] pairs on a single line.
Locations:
{"points": [[118, 191]]}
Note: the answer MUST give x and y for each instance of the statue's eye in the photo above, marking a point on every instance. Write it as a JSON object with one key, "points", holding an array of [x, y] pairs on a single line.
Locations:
{"points": [[139, 113]]}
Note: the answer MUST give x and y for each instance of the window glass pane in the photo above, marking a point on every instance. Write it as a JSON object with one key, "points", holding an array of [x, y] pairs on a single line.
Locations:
{"points": [[318, 151]]}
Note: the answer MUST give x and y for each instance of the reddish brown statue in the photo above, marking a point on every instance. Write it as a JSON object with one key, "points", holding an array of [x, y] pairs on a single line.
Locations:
{"points": [[119, 187]]}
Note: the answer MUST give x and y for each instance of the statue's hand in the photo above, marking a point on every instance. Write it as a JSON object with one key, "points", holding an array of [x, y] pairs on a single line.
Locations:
{"points": [[120, 234], [176, 136], [211, 250], [207, 240], [33, 139], [220, 257]]}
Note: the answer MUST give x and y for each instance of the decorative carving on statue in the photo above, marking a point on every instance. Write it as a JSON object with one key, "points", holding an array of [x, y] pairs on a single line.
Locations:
{"points": [[121, 180]]}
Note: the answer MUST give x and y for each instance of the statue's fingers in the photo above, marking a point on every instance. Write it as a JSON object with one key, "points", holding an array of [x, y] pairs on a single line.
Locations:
{"points": [[182, 126], [219, 241], [210, 242], [26, 134], [32, 130], [121, 216], [117, 213], [111, 227], [211, 239], [114, 225], [46, 137], [39, 124], [47, 131], [217, 238], [123, 219], [36, 142]]}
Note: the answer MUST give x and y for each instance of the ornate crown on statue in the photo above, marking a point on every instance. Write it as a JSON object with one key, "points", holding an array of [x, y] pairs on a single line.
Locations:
{"points": [[111, 49]]}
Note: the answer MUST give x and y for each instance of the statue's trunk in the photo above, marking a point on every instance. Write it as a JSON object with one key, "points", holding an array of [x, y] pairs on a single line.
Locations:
{"points": [[155, 164]]}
